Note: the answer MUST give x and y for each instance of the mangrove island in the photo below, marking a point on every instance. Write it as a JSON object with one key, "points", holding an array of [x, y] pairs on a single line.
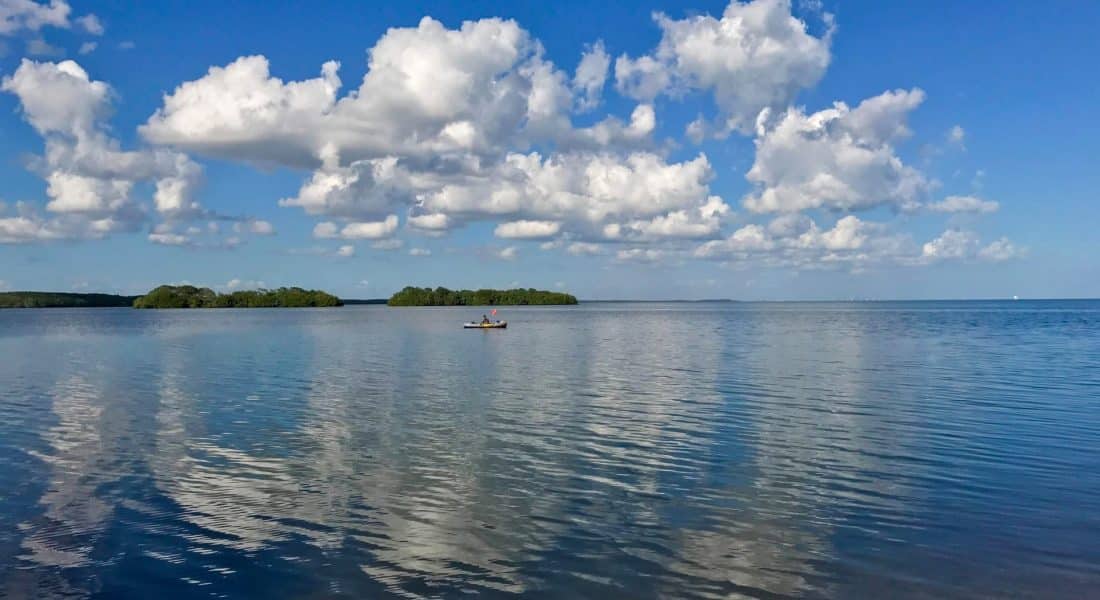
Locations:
{"points": [[61, 300], [441, 296], [189, 296]]}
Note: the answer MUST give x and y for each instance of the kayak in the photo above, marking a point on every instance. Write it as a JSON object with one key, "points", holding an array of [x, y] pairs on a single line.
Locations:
{"points": [[497, 325]]}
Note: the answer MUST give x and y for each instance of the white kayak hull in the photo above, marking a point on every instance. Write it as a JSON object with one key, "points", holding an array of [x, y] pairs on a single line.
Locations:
{"points": [[497, 325]]}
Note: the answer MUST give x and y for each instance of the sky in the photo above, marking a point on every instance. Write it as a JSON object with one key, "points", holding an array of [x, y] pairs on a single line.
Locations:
{"points": [[763, 150]]}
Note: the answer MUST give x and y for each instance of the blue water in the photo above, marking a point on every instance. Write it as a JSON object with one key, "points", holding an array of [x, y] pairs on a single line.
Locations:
{"points": [[927, 449]]}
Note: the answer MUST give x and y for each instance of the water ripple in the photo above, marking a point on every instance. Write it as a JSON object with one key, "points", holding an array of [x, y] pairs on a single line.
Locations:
{"points": [[609, 450]]}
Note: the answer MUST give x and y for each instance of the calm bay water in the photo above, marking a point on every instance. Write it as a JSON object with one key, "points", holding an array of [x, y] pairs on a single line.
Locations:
{"points": [[927, 449]]}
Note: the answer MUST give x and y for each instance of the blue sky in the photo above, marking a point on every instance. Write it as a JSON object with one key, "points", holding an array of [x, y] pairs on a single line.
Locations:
{"points": [[480, 155]]}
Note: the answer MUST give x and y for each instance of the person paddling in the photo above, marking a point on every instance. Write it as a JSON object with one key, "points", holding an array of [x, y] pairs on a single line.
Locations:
{"points": [[485, 320]]}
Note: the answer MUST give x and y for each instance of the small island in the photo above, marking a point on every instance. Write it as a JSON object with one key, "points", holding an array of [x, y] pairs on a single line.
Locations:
{"points": [[62, 300], [189, 296], [441, 296]]}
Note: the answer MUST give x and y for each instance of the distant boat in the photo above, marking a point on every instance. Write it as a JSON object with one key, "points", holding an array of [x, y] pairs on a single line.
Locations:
{"points": [[496, 325], [1015, 297]]}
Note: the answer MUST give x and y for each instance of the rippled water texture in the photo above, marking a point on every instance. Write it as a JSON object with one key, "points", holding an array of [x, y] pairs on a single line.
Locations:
{"points": [[603, 451]]}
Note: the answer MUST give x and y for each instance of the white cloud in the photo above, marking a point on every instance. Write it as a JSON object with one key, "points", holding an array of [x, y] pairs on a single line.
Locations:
{"points": [[956, 135], [1000, 250], [951, 244], [360, 230], [390, 244], [958, 244], [797, 241], [527, 230], [28, 15], [431, 132], [21, 230], [370, 230], [640, 255], [91, 24], [419, 252], [40, 47], [584, 249], [326, 230], [428, 92], [255, 226], [591, 76], [345, 251], [243, 284], [88, 48], [169, 239], [430, 222], [596, 196], [755, 56], [126, 45], [363, 189], [964, 204], [88, 176], [363, 283], [454, 126], [509, 253], [240, 111], [838, 158], [27, 226]]}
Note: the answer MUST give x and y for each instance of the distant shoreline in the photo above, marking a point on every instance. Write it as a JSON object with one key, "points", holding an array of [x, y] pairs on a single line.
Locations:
{"points": [[30, 299]]}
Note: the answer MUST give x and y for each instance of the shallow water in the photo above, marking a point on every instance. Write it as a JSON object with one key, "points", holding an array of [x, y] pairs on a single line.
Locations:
{"points": [[927, 449]]}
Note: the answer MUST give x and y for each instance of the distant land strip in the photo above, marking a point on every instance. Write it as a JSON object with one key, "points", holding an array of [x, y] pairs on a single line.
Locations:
{"points": [[62, 300], [189, 296], [441, 296]]}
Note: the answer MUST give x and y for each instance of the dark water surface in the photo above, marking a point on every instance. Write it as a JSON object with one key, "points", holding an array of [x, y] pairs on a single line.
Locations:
{"points": [[928, 449]]}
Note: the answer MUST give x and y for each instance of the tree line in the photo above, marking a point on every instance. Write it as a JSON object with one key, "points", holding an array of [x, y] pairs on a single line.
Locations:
{"points": [[61, 300], [441, 296], [189, 296]]}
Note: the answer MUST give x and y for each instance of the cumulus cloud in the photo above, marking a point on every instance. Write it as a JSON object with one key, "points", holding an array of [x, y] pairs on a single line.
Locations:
{"points": [[209, 237], [40, 47], [87, 48], [956, 135], [390, 244], [840, 158], [429, 92], [964, 204], [640, 255], [584, 249], [959, 244], [591, 75], [166, 237], [798, 241], [91, 24], [449, 127], [527, 230], [419, 252], [243, 284], [29, 15], [755, 56], [357, 230], [437, 108], [254, 226], [1000, 250], [88, 176], [595, 196], [951, 244]]}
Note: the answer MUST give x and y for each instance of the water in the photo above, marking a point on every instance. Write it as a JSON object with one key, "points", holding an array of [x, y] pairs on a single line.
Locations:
{"points": [[934, 450]]}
